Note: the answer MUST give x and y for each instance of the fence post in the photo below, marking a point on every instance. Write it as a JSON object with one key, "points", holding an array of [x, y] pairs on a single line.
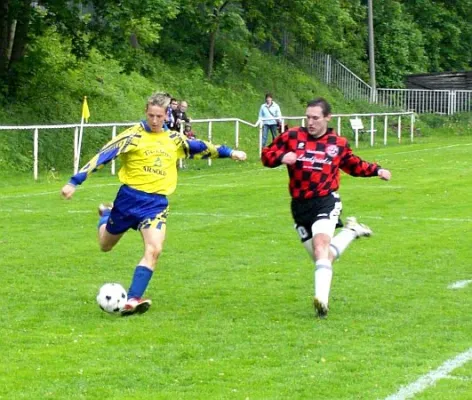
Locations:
{"points": [[399, 132], [373, 95], [76, 145], [454, 101], [385, 129], [372, 132], [181, 162], [209, 138], [412, 126], [35, 154], [328, 69], [113, 135], [236, 139], [451, 102], [356, 135]]}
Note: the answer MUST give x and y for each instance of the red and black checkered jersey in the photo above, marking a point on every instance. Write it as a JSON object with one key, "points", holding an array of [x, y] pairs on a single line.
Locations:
{"points": [[316, 171]]}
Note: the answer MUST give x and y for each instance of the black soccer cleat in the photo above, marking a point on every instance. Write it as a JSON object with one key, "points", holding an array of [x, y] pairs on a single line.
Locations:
{"points": [[321, 309]]}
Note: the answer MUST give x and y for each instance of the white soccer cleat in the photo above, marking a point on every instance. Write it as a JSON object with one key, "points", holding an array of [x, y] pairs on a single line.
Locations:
{"points": [[104, 209], [136, 306], [359, 229]]}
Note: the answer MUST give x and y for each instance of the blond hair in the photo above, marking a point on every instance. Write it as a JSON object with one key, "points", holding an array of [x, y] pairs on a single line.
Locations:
{"points": [[158, 99]]}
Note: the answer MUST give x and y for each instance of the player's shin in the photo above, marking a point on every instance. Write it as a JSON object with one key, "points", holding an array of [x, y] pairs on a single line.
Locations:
{"points": [[323, 277], [340, 242], [142, 276]]}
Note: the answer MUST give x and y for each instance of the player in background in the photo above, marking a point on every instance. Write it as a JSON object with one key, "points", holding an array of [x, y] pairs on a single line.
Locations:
{"points": [[314, 157], [148, 174]]}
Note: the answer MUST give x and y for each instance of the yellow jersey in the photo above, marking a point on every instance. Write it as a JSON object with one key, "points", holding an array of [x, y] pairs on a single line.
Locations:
{"points": [[149, 159]]}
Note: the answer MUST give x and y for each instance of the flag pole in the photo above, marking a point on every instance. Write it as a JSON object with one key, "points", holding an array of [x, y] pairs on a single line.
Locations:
{"points": [[76, 142], [79, 146], [85, 117]]}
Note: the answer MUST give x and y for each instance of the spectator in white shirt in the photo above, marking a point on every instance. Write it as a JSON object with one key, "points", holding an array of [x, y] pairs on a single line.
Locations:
{"points": [[270, 109]]}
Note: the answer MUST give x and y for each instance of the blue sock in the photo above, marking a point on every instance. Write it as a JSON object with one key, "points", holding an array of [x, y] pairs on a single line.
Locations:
{"points": [[142, 276], [104, 218]]}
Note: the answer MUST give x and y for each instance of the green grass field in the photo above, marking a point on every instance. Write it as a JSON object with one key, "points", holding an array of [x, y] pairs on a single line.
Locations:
{"points": [[232, 315]]}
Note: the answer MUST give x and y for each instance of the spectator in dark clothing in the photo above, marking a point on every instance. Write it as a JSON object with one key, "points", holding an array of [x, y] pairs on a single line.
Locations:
{"points": [[180, 115], [170, 119]]}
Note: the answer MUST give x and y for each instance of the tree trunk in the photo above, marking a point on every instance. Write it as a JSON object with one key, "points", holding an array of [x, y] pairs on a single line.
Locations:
{"points": [[21, 33], [211, 53], [213, 33], [4, 39], [11, 38]]}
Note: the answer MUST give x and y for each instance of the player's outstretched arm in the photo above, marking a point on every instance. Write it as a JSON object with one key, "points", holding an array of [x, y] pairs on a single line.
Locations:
{"points": [[238, 155], [201, 149], [67, 191], [384, 174]]}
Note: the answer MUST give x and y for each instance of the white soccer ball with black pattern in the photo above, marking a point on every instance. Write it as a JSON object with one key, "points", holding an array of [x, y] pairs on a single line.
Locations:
{"points": [[112, 298]]}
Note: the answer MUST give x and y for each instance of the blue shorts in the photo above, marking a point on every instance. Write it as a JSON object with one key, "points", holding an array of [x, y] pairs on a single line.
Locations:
{"points": [[137, 210]]}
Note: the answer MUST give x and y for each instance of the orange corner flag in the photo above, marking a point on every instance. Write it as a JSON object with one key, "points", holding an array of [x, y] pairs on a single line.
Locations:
{"points": [[85, 110]]}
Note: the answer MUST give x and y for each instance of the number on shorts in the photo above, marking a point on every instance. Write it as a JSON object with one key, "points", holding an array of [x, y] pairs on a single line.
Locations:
{"points": [[302, 232]]}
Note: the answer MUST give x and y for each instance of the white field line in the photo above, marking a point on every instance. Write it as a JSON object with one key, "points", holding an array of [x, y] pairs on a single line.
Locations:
{"points": [[220, 185], [432, 219], [425, 381], [26, 195], [86, 185], [459, 378], [459, 284], [428, 149], [195, 214], [56, 192], [243, 215]]}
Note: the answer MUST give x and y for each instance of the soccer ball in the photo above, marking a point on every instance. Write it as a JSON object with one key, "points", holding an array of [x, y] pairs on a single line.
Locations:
{"points": [[112, 298]]}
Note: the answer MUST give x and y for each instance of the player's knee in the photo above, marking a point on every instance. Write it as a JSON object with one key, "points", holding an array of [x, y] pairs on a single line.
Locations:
{"points": [[105, 247], [321, 246], [153, 252]]}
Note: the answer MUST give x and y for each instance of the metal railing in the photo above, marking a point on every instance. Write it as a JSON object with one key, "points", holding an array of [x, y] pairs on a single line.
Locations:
{"points": [[349, 83], [427, 101], [330, 71], [210, 122], [373, 122]]}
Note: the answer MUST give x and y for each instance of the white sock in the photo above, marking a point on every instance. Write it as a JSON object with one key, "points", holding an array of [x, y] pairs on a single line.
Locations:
{"points": [[323, 276], [341, 241]]}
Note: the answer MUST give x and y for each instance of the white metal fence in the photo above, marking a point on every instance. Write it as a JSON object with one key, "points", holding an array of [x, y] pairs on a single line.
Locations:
{"points": [[331, 71], [372, 119], [427, 101]]}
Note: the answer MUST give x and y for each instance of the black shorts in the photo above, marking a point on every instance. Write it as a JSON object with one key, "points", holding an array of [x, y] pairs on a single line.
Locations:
{"points": [[306, 212]]}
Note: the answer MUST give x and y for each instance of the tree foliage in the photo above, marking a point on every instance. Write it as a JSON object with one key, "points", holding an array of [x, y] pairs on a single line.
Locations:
{"points": [[399, 43], [446, 26], [410, 36]]}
